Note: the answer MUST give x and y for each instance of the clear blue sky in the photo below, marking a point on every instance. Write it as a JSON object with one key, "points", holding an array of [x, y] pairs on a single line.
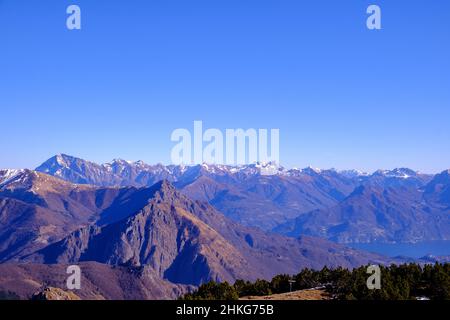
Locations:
{"points": [[341, 95]]}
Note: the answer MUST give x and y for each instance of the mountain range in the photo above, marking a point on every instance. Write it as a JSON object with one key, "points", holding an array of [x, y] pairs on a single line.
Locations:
{"points": [[153, 231], [399, 205], [156, 235]]}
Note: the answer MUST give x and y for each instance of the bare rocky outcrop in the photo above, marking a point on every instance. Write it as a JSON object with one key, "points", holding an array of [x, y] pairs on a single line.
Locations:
{"points": [[51, 293]]}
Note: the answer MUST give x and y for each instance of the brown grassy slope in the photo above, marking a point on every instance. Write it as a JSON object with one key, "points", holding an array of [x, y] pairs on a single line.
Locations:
{"points": [[309, 294], [98, 281]]}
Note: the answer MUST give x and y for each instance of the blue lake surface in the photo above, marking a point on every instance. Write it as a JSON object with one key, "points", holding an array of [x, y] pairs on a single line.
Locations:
{"points": [[413, 250]]}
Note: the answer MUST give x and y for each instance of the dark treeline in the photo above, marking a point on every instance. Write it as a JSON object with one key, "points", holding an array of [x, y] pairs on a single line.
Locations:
{"points": [[403, 282]]}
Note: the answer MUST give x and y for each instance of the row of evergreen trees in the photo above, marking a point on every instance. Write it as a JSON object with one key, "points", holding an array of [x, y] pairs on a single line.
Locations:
{"points": [[403, 282]]}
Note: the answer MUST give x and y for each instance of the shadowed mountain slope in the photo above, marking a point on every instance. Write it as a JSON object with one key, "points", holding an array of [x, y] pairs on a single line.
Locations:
{"points": [[189, 242], [98, 281], [380, 211]]}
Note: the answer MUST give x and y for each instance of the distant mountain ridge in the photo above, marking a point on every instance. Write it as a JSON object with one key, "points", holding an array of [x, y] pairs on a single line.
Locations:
{"points": [[399, 205], [411, 208], [121, 172], [374, 214], [293, 201], [229, 189]]}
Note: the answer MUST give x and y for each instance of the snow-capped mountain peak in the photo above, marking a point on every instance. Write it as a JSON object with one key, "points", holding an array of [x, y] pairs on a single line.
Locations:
{"points": [[311, 169], [400, 173], [121, 172], [7, 175]]}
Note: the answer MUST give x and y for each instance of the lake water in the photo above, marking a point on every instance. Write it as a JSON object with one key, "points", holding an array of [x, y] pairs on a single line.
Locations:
{"points": [[412, 250]]}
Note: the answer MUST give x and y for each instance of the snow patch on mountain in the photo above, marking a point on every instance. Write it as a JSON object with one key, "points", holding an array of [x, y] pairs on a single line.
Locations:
{"points": [[6, 175], [401, 173]]}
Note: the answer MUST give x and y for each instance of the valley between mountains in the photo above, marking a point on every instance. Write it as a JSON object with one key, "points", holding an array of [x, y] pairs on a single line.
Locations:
{"points": [[156, 232]]}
